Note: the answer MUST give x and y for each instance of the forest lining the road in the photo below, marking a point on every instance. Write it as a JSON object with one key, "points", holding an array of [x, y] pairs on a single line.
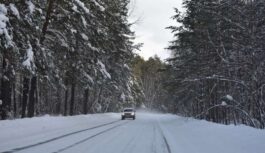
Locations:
{"points": [[78, 57]]}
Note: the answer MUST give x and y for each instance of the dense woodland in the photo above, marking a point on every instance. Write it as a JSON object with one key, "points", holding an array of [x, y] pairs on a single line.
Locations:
{"points": [[76, 57], [65, 57], [217, 68]]}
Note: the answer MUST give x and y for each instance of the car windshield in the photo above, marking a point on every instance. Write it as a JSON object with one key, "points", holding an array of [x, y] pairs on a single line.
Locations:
{"points": [[128, 110]]}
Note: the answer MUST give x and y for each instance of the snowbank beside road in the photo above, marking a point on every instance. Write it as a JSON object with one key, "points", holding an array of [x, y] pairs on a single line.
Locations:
{"points": [[186, 135], [22, 132]]}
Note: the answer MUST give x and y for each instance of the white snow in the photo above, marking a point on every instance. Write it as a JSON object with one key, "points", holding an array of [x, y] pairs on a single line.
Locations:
{"points": [[84, 36], [74, 8], [3, 8], [229, 97], [103, 70], [98, 107], [3, 25], [73, 31], [7, 37], [3, 18], [190, 135], [98, 5], [126, 66], [6, 78], [82, 5], [224, 103], [40, 10], [143, 106], [28, 63], [93, 48], [90, 79], [14, 10], [150, 132], [123, 98], [84, 21], [31, 6]]}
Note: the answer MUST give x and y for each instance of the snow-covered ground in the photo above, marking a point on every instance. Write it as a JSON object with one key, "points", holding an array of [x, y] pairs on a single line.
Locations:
{"points": [[106, 133]]}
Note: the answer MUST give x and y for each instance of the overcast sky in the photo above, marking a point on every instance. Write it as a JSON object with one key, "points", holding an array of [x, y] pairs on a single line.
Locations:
{"points": [[155, 16]]}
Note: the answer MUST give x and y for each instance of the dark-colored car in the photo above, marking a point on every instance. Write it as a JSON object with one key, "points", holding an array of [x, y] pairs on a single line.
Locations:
{"points": [[128, 113]]}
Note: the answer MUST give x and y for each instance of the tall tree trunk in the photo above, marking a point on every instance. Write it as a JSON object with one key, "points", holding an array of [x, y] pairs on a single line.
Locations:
{"points": [[14, 100], [72, 99], [65, 102], [66, 98], [25, 96], [37, 111], [20, 93], [85, 105], [31, 105], [58, 100], [47, 20], [6, 90], [6, 97]]}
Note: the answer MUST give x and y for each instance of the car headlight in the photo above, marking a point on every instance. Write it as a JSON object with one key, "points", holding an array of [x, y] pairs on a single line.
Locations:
{"points": [[122, 113], [132, 113]]}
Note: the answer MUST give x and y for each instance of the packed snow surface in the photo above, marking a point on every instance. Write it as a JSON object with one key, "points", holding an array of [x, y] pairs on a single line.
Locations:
{"points": [[106, 133]]}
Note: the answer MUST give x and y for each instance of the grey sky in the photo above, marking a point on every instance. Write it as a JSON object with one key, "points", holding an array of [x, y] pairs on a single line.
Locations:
{"points": [[155, 16]]}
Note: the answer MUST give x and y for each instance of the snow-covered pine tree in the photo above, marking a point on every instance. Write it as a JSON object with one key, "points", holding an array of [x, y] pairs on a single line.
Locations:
{"points": [[217, 51], [64, 54]]}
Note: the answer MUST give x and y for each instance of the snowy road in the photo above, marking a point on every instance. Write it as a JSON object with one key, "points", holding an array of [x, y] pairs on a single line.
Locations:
{"points": [[131, 136], [106, 133]]}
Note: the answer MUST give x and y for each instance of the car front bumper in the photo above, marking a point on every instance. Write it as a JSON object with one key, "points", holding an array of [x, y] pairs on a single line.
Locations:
{"points": [[128, 115]]}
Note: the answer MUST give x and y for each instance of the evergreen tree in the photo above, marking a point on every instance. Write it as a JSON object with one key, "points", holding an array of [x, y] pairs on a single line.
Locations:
{"points": [[64, 57], [217, 56]]}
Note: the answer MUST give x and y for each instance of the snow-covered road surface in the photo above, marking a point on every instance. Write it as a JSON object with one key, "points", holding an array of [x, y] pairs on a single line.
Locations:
{"points": [[106, 133]]}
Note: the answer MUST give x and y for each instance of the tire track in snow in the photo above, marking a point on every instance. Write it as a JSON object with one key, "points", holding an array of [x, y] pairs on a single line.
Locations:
{"points": [[131, 145], [164, 138], [154, 139], [167, 145], [57, 138], [90, 137]]}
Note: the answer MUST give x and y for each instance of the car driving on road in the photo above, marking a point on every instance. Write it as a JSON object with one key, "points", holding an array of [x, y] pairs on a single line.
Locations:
{"points": [[128, 113]]}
